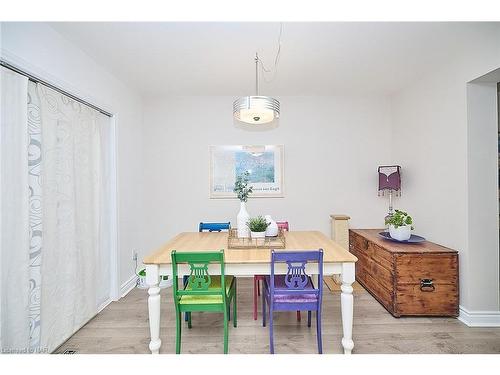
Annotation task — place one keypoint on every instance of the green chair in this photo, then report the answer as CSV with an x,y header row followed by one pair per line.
x,y
203,292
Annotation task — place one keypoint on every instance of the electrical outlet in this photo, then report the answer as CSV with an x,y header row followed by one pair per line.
x,y
134,255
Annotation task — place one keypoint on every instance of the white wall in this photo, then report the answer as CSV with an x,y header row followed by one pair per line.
x,y
333,146
39,49
430,141
482,181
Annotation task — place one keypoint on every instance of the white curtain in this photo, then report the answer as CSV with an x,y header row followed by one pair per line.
x,y
55,258
14,208
104,255
72,199
35,156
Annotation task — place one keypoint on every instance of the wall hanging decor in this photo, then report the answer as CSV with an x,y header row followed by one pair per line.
x,y
264,164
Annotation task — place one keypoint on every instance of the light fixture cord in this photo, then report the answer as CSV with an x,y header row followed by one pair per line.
x,y
256,74
276,59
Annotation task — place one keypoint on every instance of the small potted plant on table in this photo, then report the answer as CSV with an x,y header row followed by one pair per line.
x,y
258,226
400,225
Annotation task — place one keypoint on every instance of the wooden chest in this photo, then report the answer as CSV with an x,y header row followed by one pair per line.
x,y
407,279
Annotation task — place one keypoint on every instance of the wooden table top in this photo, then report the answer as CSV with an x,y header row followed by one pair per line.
x,y
295,240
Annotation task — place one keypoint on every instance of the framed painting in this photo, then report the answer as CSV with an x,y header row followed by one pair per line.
x,y
264,164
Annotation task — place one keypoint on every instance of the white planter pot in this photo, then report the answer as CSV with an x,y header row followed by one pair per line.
x,y
241,221
165,282
272,229
402,233
258,234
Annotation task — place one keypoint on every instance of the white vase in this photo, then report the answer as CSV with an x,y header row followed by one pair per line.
x,y
272,228
241,221
401,233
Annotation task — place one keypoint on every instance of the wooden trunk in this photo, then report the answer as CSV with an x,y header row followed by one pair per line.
x,y
407,279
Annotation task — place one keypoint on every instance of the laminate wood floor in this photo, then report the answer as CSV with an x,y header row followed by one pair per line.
x,y
122,327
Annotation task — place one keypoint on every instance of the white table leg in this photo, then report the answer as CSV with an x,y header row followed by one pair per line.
x,y
153,279
347,304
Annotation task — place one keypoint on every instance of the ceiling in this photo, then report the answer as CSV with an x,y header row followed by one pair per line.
x,y
174,58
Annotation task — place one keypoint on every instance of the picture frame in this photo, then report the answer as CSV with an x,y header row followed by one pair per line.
x,y
264,162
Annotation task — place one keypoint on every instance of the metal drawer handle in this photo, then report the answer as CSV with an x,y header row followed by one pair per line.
x,y
427,285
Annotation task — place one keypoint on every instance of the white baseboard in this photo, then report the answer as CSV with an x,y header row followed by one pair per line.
x,y
128,285
104,305
479,318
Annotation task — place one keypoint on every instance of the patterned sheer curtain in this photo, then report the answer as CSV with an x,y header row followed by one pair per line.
x,y
14,211
65,270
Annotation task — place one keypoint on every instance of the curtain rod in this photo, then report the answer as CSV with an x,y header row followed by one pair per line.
x,y
45,83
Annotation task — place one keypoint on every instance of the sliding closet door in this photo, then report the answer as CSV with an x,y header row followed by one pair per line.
x,y
73,283
55,215
105,255
14,218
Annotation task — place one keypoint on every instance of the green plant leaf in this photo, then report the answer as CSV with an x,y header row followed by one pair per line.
x,y
241,187
258,224
399,219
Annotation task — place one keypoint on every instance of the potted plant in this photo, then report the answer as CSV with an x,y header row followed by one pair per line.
x,y
141,281
258,226
400,225
243,191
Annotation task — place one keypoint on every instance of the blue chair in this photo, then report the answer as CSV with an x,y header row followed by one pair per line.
x,y
214,227
206,227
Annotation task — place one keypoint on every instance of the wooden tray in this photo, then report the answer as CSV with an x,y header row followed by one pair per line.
x,y
233,242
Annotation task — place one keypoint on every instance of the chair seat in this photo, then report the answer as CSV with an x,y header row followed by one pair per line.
x,y
279,283
208,299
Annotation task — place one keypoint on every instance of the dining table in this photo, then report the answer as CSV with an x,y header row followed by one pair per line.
x,y
248,262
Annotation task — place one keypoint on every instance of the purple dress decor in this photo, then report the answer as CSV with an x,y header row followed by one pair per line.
x,y
294,291
389,179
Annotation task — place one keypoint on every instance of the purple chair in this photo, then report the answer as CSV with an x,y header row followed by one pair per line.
x,y
294,291
258,278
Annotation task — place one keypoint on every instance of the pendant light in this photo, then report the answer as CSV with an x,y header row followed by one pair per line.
x,y
257,109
